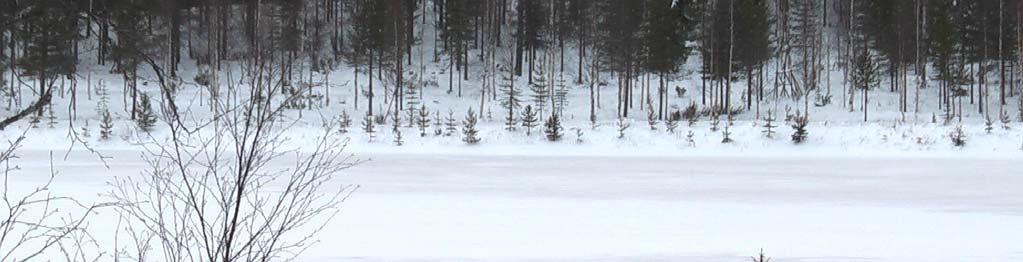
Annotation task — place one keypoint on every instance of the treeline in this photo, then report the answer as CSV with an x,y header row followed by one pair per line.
x,y
750,50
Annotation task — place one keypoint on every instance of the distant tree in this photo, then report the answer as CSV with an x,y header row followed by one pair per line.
x,y
769,125
345,122
146,117
799,126
509,97
552,128
423,121
369,126
664,35
958,137
865,76
451,124
623,125
672,123
106,125
529,119
470,135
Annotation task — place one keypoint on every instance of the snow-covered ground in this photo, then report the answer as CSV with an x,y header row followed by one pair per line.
x,y
486,207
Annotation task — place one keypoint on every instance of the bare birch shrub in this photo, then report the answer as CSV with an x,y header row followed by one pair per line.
x,y
218,189
38,224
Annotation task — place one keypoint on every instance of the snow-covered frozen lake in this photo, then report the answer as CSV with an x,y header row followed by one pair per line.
x,y
421,207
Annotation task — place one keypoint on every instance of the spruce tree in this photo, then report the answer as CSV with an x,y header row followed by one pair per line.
x,y
769,124
106,125
672,123
799,126
369,126
451,126
146,117
438,125
865,77
345,122
470,135
540,87
623,125
509,97
958,137
396,129
423,121
552,128
529,119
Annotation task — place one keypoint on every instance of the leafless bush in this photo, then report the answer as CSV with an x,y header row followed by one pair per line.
x,y
213,191
36,223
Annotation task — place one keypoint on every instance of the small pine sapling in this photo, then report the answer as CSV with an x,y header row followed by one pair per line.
x,y
691,114
51,119
470,135
761,257
769,124
395,123
578,135
411,112
529,119
510,122
106,125
727,134
623,124
397,137
714,122
145,117
86,132
672,123
438,128
423,121
1006,121
799,134
988,124
451,126
369,126
552,128
651,120
345,122
690,138
958,136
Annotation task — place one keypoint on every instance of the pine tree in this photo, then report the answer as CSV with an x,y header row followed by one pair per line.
x,y
345,123
691,114
623,125
690,138
146,118
438,125
451,124
553,129
529,119
651,119
989,125
958,136
396,129
106,125
470,135
769,124
423,121
865,77
727,134
672,123
540,87
369,127
799,125
509,97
